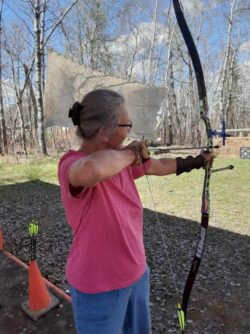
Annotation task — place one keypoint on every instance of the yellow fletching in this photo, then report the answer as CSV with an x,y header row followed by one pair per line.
x,y
33,228
181,317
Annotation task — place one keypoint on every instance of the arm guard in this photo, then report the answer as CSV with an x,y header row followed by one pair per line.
x,y
189,163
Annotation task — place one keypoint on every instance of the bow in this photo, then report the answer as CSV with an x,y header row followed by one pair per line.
x,y
205,205
182,308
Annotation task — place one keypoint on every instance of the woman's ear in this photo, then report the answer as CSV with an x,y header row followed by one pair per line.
x,y
102,134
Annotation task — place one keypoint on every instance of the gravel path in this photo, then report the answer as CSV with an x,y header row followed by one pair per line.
x,y
220,296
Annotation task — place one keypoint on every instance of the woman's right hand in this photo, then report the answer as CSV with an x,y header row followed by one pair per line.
x,y
140,151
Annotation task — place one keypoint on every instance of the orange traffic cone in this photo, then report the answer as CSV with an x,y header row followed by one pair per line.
x,y
39,297
1,239
40,300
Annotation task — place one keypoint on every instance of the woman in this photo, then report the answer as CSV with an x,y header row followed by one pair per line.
x,y
106,266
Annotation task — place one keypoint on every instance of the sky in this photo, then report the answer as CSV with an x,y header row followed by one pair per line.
x,y
211,14
214,22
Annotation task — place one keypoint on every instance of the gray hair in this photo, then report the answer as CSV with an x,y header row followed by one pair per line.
x,y
99,109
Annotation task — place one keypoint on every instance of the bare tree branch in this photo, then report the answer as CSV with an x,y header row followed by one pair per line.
x,y
58,22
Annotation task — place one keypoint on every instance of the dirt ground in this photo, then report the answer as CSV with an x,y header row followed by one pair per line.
x,y
220,298
14,291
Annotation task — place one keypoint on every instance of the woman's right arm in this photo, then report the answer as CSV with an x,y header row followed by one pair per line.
x,y
98,166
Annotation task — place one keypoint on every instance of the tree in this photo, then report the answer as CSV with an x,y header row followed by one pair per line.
x,y
3,132
38,81
39,9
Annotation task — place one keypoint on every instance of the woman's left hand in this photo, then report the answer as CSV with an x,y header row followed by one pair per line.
x,y
208,156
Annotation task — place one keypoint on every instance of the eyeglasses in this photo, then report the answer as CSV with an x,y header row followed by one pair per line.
x,y
129,125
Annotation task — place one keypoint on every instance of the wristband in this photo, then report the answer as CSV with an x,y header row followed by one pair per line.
x,y
189,163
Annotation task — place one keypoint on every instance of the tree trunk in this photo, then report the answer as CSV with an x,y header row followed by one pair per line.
x,y
131,66
38,80
19,103
223,96
192,111
32,96
173,107
171,103
43,10
22,127
3,132
152,45
230,115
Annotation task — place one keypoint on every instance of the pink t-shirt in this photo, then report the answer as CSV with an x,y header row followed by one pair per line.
x,y
107,251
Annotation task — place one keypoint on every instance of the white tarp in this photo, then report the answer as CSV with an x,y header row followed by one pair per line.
x,y
68,81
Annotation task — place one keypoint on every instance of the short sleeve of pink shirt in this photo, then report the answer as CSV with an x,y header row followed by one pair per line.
x,y
107,251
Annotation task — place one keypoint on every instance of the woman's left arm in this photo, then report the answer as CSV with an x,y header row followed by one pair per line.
x,y
163,166
166,166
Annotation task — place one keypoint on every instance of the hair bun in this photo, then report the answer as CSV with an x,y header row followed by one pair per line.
x,y
74,113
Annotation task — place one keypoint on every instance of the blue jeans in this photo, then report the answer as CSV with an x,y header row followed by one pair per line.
x,y
123,311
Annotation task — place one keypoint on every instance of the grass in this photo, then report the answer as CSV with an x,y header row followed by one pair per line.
x,y
181,196
28,170
178,196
